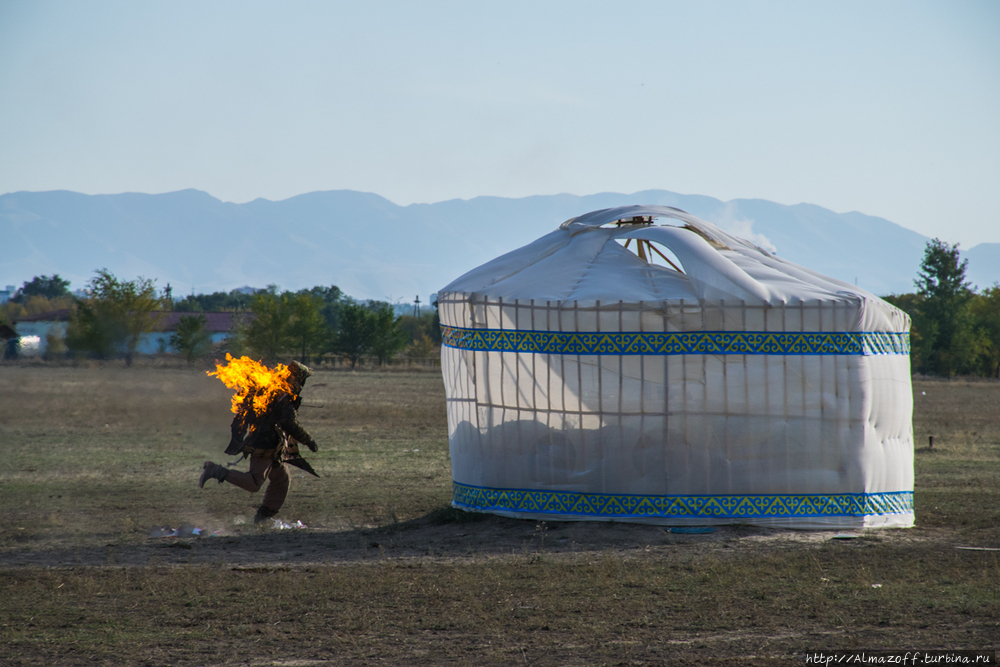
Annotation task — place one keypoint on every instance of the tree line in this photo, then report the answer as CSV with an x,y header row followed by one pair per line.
x,y
955,329
110,320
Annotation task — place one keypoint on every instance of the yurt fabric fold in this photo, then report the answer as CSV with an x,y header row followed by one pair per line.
x,y
640,364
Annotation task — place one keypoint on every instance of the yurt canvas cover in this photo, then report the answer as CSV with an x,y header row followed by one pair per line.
x,y
588,379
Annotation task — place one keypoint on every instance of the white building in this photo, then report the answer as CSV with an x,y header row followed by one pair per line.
x,y
617,369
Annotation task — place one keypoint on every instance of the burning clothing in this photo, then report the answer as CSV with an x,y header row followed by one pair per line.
x,y
263,433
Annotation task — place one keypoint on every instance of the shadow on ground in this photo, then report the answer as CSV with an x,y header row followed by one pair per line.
x,y
444,535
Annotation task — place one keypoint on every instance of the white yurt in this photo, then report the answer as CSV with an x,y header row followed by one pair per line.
x,y
639,364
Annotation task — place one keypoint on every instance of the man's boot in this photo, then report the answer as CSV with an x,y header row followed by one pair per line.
x,y
212,471
263,514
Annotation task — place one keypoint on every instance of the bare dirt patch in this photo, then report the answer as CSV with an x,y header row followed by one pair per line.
x,y
433,539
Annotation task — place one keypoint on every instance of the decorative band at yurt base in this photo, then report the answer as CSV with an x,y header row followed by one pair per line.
x,y
864,343
628,506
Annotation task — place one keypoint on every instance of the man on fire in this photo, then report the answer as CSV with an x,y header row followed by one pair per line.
x,y
265,429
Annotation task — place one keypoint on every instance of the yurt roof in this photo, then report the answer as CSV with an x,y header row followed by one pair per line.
x,y
585,260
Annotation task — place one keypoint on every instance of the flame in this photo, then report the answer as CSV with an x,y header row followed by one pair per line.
x,y
253,379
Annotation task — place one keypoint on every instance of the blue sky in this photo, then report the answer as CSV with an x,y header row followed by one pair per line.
x,y
889,108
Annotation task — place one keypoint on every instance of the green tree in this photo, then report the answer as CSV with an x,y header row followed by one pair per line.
x,y
42,294
332,299
114,316
267,333
192,339
422,348
236,337
306,328
216,301
291,321
427,324
357,326
985,310
50,287
943,316
387,338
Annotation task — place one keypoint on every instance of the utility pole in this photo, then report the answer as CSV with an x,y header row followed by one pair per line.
x,y
416,306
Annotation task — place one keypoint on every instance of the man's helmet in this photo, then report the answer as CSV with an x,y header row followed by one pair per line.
x,y
299,372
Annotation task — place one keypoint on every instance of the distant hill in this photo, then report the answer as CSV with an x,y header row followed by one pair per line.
x,y
372,248
984,264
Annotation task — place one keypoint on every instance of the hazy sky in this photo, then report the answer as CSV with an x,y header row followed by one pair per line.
x,y
889,108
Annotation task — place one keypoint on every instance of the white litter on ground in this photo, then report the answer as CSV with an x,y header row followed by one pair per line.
x,y
186,530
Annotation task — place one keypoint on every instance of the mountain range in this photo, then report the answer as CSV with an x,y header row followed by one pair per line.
x,y
374,249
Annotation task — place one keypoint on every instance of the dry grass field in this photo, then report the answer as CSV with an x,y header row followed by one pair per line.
x,y
94,458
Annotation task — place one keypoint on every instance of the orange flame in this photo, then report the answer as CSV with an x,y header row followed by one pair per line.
x,y
252,378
